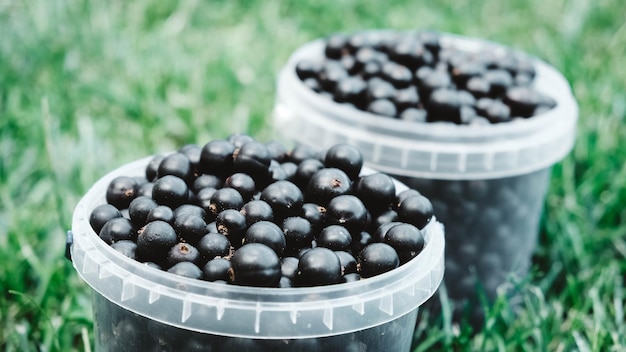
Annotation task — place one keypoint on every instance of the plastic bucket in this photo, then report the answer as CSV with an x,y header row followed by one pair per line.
x,y
138,308
487,183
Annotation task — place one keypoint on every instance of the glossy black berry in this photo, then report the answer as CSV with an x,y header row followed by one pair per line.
x,y
348,262
255,264
326,184
121,191
416,210
398,75
344,157
479,87
276,172
204,181
351,90
232,224
406,98
318,267
239,139
192,152
277,150
379,234
176,164
361,241
190,228
332,73
154,241
191,209
161,212
412,54
127,247
305,170
267,233
289,267
377,191
314,214
348,211
414,115
117,229
186,269
352,277
216,269
225,198
444,105
139,209
243,183
386,216
213,245
301,152
252,158
298,233
377,258
494,110
522,101
382,107
308,69
101,214
183,252
406,239
336,44
202,198
152,167
334,237
257,210
171,191
145,189
379,89
216,158
499,81
284,197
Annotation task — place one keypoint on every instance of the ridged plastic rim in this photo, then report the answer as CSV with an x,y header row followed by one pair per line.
x,y
101,267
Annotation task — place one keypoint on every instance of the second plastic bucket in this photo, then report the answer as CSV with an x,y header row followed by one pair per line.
x,y
139,308
487,183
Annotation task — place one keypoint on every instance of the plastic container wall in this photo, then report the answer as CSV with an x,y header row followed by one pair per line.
x,y
138,308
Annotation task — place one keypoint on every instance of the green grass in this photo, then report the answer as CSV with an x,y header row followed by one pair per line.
x,y
86,86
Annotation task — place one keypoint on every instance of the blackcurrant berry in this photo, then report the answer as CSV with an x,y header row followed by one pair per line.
x,y
139,209
171,191
117,229
415,210
101,214
326,184
284,197
348,211
344,157
267,233
216,158
186,269
154,241
334,237
183,252
121,191
376,259
176,164
255,264
216,269
213,245
317,267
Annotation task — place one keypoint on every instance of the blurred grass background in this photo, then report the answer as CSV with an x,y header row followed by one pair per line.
x,y
86,86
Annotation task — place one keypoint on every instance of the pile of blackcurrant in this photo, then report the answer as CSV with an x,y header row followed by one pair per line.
x,y
413,76
238,211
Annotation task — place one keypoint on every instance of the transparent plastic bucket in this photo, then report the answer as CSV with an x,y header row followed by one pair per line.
x,y
139,308
487,182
